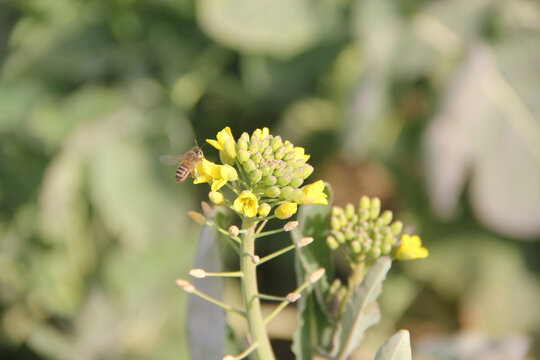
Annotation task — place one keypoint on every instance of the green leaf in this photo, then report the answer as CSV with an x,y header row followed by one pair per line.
x,y
362,311
398,347
206,321
281,28
315,325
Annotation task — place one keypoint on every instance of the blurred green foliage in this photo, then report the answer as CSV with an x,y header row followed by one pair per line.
x,y
430,105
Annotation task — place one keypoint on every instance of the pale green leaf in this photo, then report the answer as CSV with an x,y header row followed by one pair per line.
x,y
398,347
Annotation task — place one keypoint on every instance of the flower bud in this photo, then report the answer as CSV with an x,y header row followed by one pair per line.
x,y
297,196
254,145
308,170
305,241
292,297
290,225
286,210
375,252
206,208
296,182
284,180
289,156
245,137
288,146
229,172
269,180
286,192
375,209
335,224
363,214
225,159
265,170
386,217
356,247
349,211
234,230
332,242
242,144
243,156
263,145
364,203
276,143
256,157
197,273
216,197
279,153
396,227
255,176
264,209
250,166
186,285
273,192
336,210
230,148
386,249
316,275
197,217
339,237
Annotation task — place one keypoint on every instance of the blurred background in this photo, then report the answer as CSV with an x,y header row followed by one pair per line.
x,y
434,106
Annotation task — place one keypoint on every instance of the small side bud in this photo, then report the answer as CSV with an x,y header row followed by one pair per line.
x,y
234,230
292,297
273,192
264,209
396,228
305,241
216,197
197,217
375,209
316,275
206,208
186,285
255,259
197,273
332,242
290,225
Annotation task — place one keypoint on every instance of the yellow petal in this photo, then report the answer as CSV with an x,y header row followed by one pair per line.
x,y
286,210
215,144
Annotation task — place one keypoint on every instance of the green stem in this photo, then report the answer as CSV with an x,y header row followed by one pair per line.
x,y
250,291
276,254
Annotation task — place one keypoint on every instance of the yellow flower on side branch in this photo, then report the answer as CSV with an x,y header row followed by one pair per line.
x,y
314,194
207,171
411,248
246,203
225,143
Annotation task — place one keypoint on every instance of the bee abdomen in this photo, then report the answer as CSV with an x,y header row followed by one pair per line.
x,y
182,172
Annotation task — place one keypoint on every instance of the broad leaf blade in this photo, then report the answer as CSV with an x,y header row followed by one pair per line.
x,y
206,321
314,321
361,311
398,347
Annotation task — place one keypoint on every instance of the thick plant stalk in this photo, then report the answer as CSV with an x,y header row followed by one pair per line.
x,y
250,291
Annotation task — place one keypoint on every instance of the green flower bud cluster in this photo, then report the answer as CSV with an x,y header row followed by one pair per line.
x,y
365,234
273,166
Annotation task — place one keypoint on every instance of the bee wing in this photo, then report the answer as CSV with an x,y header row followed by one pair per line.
x,y
170,159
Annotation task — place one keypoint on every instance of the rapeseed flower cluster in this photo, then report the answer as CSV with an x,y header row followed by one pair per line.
x,y
368,234
263,171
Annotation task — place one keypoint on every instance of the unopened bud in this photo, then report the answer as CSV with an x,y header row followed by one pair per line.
x,y
245,137
186,285
386,217
243,155
316,275
292,297
356,247
197,217
332,242
290,225
375,209
396,227
206,208
250,166
225,158
264,209
284,180
273,192
234,230
339,237
305,241
286,192
255,176
289,156
255,259
216,197
364,203
242,144
256,157
197,273
230,148
254,145
308,170
375,252
279,153
349,211
296,182
276,143
386,249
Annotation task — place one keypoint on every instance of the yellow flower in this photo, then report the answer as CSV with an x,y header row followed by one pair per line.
x,y
411,248
286,210
246,203
301,153
314,194
264,209
207,171
225,142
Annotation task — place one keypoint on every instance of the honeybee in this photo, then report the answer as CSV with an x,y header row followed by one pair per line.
x,y
186,163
